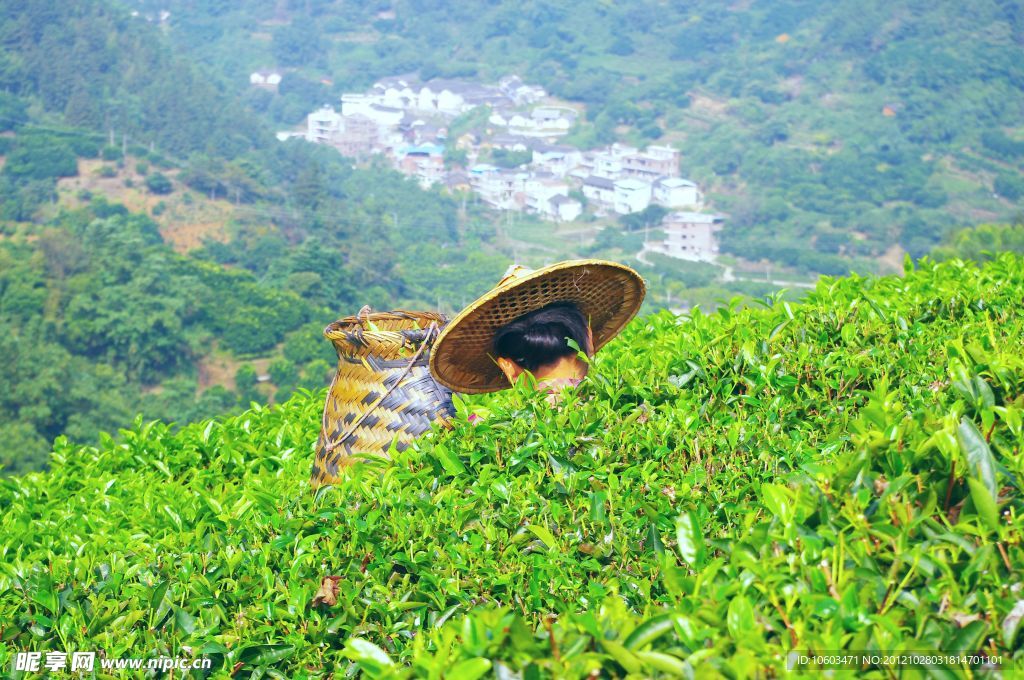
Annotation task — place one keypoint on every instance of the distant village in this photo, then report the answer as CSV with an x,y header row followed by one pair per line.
x,y
408,122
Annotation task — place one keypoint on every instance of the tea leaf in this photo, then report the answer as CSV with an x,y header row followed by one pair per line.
x,y
690,540
980,463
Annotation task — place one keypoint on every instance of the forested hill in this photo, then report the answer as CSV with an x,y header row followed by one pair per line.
x,y
102,70
93,81
849,125
103,318
842,474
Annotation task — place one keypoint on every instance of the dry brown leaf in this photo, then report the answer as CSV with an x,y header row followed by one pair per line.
x,y
962,620
328,593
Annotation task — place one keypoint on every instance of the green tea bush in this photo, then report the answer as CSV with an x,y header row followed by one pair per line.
x,y
839,474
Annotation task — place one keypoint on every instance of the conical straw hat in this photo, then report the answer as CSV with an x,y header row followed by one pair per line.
x,y
609,295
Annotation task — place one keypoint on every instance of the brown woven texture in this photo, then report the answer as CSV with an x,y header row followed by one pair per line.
x,y
383,390
609,295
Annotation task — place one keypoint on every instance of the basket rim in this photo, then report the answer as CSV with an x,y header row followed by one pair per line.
x,y
342,328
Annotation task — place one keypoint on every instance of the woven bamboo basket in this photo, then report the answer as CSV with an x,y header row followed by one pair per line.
x,y
382,392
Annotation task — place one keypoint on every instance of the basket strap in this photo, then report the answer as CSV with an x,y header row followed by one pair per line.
x,y
329,445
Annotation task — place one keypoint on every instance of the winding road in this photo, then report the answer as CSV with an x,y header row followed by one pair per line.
x,y
728,275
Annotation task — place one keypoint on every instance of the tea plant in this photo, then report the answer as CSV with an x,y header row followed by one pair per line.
x,y
840,474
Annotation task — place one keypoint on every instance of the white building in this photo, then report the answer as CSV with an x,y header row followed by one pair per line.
x,y
600,190
510,142
558,159
451,103
498,188
323,126
265,79
675,192
357,103
543,121
691,236
500,118
607,166
631,195
519,92
440,96
620,160
394,92
609,161
655,161
387,116
553,120
549,197
565,209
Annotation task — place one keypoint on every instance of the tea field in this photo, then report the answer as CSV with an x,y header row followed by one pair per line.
x,y
838,474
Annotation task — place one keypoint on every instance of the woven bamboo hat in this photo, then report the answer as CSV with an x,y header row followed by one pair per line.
x,y
609,295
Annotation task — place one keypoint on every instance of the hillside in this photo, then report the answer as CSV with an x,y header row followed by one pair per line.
x,y
162,253
187,218
837,474
101,320
829,132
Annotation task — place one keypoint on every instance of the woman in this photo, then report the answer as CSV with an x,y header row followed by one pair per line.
x,y
525,323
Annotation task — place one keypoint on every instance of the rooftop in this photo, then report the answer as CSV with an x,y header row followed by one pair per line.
x,y
631,184
553,148
673,182
510,140
423,149
408,80
459,86
599,182
693,218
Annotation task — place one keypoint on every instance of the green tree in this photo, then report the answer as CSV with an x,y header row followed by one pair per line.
x,y
300,43
982,242
284,374
1009,186
158,183
246,380
13,112
650,216
41,158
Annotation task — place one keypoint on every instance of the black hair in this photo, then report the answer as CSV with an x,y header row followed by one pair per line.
x,y
539,338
